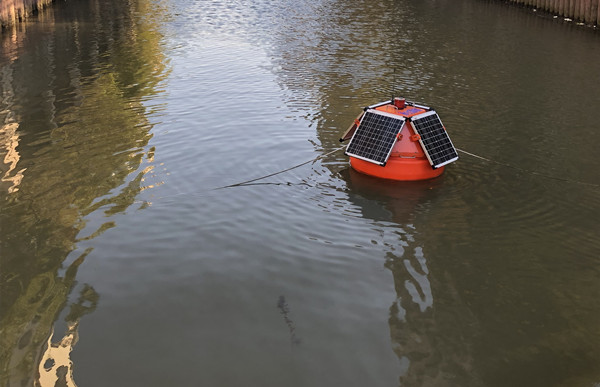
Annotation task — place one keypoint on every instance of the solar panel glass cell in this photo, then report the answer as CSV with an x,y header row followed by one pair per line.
x,y
434,139
375,136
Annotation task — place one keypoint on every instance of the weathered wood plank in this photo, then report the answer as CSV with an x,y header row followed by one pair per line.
x,y
594,12
586,11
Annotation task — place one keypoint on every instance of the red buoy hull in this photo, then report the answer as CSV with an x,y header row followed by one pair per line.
x,y
398,168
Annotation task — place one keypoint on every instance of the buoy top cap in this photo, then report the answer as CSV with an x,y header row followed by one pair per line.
x,y
407,111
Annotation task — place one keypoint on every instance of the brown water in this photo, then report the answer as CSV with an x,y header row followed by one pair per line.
x,y
122,266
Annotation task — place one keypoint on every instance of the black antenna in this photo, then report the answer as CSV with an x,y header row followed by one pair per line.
x,y
395,80
394,86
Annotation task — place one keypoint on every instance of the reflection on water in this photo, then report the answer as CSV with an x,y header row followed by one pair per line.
x,y
394,206
74,139
55,366
483,277
285,312
8,136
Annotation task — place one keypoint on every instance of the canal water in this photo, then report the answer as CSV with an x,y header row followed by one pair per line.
x,y
124,261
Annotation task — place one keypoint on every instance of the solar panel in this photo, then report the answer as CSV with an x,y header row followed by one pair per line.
x,y
375,136
434,139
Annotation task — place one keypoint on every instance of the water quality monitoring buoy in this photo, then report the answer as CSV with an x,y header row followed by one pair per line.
x,y
399,140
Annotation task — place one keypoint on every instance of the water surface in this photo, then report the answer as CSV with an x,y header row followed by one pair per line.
x,y
123,264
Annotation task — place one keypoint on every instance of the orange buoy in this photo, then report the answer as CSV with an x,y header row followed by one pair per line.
x,y
411,156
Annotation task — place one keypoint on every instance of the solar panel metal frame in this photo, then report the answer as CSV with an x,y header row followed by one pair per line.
x,y
424,140
379,104
358,132
420,106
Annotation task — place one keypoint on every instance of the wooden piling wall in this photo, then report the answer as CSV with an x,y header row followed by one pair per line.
x,y
12,11
581,11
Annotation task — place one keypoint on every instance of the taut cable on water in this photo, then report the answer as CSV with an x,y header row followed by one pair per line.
x,y
528,171
282,171
460,150
247,182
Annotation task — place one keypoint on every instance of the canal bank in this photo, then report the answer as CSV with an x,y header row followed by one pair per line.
x,y
585,12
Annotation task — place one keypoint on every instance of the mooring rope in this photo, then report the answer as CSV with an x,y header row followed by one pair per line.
x,y
529,171
247,182
460,150
314,159
280,172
